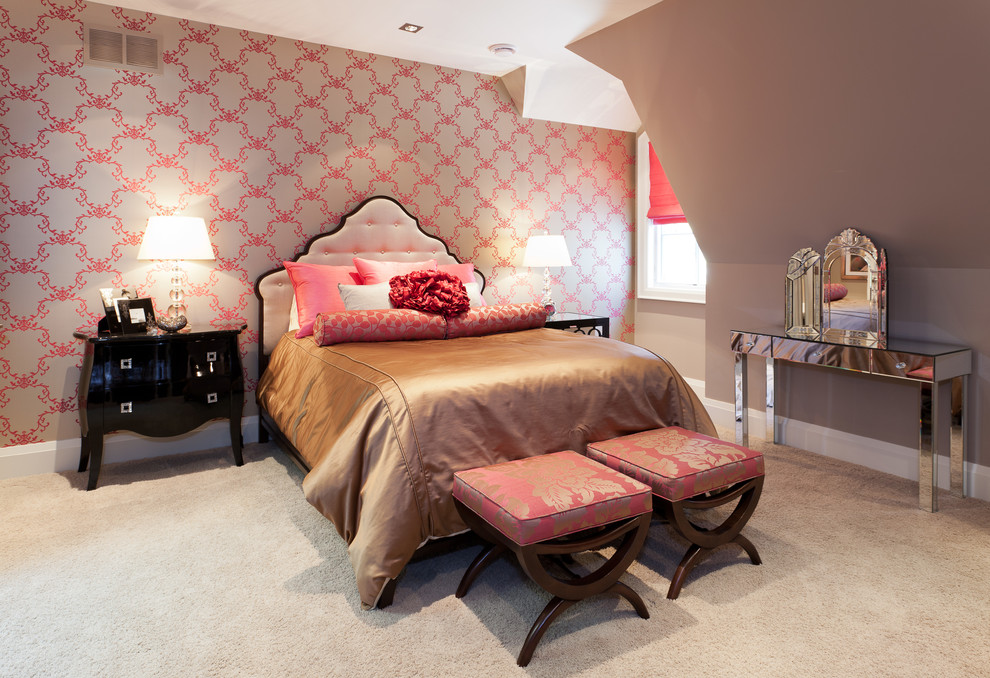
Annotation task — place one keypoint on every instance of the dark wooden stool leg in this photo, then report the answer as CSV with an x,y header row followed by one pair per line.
x,y
557,606
481,561
704,540
553,609
565,592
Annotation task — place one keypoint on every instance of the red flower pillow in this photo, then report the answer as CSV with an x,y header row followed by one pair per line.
x,y
431,292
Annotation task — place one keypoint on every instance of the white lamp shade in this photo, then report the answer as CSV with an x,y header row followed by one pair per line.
x,y
546,250
176,238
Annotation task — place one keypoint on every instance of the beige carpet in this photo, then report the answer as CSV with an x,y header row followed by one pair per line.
x,y
189,566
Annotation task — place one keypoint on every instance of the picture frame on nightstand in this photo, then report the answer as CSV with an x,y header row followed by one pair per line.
x,y
112,321
136,315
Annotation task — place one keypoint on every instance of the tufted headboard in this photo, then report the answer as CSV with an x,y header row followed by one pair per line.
x,y
379,228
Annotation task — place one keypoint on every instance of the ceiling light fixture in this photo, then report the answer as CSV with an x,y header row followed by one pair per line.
x,y
410,28
502,49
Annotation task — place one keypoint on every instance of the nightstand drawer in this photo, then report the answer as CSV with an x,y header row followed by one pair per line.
x,y
130,407
206,358
204,390
134,364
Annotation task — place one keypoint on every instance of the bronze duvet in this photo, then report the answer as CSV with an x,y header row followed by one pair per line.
x,y
384,426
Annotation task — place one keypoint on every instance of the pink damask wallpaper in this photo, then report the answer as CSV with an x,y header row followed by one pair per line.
x,y
271,141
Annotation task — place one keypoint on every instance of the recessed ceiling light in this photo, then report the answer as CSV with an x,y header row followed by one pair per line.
x,y
410,28
502,49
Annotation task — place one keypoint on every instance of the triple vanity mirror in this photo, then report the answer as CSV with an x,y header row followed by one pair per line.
x,y
840,297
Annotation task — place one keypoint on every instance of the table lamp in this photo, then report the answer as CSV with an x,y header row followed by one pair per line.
x,y
546,251
176,238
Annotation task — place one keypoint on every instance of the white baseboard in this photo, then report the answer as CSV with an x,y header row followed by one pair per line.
x,y
63,455
875,454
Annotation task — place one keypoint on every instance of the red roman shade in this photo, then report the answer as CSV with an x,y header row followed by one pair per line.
x,y
664,207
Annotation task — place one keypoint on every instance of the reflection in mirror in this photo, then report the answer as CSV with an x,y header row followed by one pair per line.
x,y
803,294
855,291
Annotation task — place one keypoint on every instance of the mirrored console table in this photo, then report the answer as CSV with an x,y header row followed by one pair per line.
x,y
931,366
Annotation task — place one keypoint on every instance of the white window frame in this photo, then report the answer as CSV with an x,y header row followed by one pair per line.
x,y
689,293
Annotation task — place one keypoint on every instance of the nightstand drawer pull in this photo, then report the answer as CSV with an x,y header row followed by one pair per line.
x,y
211,398
211,356
126,408
900,365
125,363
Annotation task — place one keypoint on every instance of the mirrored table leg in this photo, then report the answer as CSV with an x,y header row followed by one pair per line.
x,y
957,438
771,434
742,423
927,448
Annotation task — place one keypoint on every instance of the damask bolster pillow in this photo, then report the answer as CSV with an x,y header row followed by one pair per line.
x,y
376,325
493,319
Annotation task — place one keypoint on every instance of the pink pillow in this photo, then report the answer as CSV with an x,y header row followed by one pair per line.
x,y
372,272
835,291
481,320
381,325
463,272
315,288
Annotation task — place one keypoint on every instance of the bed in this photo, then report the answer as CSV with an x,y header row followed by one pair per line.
x,y
381,426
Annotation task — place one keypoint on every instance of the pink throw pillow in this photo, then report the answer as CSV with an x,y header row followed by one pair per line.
x,y
835,291
315,288
463,272
373,272
395,324
481,320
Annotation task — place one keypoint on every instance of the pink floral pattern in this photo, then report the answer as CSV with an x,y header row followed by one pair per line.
x,y
381,325
551,495
271,140
429,291
677,463
482,320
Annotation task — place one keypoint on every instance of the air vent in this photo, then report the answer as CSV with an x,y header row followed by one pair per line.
x,y
116,48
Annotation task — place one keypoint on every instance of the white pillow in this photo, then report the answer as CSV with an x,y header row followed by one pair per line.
x,y
293,315
365,297
375,297
474,294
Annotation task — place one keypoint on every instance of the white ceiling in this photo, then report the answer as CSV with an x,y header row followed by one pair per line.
x,y
560,86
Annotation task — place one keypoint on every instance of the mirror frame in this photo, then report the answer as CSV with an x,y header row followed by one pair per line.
x,y
852,243
803,295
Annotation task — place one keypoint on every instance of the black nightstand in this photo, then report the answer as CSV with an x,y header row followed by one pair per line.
x,y
579,322
158,385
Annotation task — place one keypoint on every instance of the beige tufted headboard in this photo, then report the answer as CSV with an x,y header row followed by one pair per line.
x,y
379,228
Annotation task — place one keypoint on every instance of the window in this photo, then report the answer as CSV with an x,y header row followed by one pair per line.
x,y
671,265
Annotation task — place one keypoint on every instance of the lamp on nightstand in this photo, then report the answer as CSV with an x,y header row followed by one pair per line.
x,y
176,238
546,251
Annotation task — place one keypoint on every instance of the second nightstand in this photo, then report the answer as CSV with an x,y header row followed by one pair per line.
x,y
158,385
579,322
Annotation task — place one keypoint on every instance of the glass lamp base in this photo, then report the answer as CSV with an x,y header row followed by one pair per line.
x,y
171,323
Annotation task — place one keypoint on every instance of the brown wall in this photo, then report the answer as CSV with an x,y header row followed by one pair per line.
x,y
781,123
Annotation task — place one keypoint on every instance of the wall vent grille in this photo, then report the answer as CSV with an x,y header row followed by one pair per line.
x,y
116,48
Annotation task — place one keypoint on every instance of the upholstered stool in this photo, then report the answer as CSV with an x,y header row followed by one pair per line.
x,y
688,470
555,504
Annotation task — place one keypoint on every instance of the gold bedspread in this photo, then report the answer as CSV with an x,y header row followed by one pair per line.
x,y
385,425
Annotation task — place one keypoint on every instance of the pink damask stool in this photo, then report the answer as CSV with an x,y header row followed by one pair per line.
x,y
688,470
555,504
